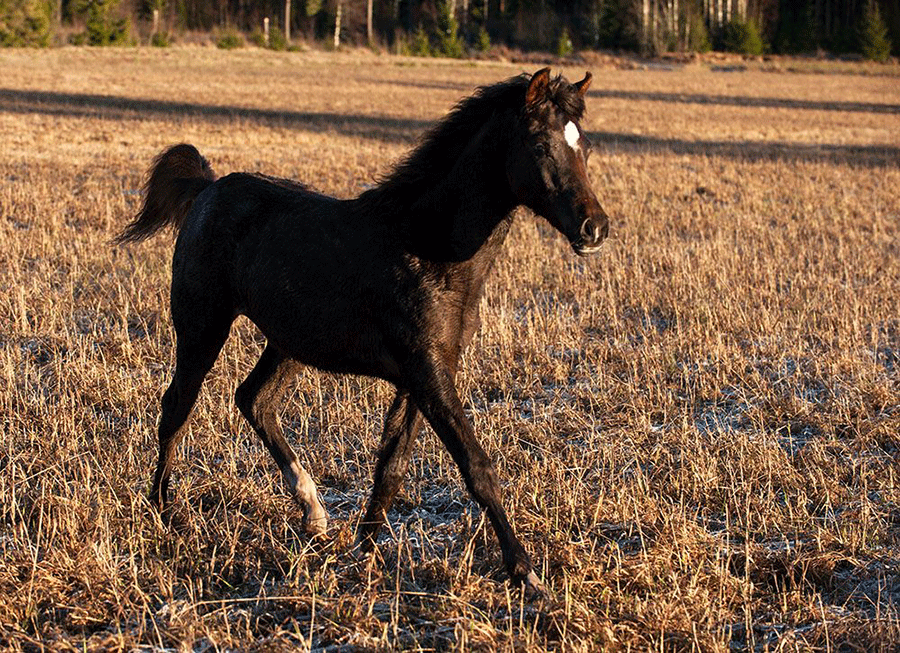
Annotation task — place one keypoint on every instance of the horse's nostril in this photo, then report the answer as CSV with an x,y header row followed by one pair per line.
x,y
590,232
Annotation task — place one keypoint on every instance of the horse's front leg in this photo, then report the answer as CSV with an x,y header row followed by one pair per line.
x,y
401,427
432,388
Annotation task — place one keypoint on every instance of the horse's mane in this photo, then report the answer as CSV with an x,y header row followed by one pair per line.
x,y
443,144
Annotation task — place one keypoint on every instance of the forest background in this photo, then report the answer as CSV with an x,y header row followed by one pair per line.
x,y
458,28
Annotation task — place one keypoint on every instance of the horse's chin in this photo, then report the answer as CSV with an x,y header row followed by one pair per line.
x,y
589,250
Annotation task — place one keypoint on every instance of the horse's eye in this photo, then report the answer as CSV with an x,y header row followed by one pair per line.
x,y
541,149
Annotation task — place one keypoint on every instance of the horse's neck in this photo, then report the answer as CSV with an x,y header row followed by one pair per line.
x,y
466,214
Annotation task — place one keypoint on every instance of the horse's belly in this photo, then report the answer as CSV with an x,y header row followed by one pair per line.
x,y
334,333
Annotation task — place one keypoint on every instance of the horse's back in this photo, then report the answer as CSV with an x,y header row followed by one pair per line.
x,y
243,217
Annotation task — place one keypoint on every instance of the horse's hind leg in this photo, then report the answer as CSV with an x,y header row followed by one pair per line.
x,y
196,351
257,397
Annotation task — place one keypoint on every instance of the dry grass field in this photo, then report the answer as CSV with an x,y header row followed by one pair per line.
x,y
696,430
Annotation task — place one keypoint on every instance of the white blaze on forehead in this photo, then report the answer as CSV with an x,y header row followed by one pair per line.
x,y
572,135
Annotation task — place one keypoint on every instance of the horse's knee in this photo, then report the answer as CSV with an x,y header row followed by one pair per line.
x,y
391,478
484,482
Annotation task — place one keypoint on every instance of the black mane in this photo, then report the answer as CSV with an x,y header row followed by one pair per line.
x,y
443,144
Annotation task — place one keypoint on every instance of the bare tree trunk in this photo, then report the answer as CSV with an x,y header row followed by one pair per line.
x,y
645,23
287,21
675,29
369,36
687,33
337,27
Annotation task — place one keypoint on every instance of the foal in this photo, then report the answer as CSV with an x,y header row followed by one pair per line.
x,y
385,285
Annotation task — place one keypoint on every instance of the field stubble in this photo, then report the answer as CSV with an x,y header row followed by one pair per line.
x,y
697,429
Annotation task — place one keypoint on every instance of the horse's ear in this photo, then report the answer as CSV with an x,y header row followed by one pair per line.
x,y
537,88
584,84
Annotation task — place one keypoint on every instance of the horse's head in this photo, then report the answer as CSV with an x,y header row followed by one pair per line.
x,y
547,163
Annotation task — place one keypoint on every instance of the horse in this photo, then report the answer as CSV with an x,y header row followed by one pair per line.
x,y
385,285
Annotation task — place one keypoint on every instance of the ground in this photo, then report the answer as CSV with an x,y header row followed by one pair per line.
x,y
696,430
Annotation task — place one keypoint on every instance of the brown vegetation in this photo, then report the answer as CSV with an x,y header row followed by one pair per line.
x,y
698,427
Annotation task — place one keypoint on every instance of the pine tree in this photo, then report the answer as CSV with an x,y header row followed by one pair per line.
x,y
25,23
449,42
742,37
616,25
697,34
873,34
102,27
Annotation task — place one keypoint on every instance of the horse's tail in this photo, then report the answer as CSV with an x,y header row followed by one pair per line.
x,y
177,177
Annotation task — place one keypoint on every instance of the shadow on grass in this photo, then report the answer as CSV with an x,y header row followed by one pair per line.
x,y
110,107
744,101
869,156
407,130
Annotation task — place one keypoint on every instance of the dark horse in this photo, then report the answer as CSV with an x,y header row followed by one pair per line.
x,y
385,285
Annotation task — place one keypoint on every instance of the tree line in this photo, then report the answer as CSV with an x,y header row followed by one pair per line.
x,y
455,27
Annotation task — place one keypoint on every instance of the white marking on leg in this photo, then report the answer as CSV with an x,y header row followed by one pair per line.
x,y
534,588
572,135
304,489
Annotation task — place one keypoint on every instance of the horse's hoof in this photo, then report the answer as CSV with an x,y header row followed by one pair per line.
x,y
533,588
357,554
316,527
160,510
315,520
361,557
315,517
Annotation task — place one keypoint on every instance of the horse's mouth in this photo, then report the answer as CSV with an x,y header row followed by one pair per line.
x,y
588,250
